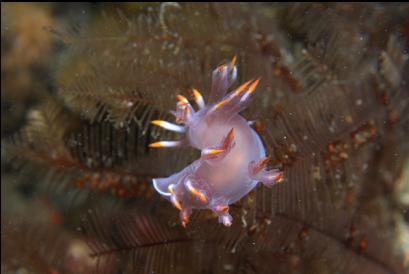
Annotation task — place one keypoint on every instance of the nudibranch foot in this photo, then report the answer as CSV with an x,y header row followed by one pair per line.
x,y
232,160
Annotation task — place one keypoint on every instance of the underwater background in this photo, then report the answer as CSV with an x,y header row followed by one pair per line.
x,y
80,84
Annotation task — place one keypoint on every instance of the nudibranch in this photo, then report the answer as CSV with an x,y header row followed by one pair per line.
x,y
233,159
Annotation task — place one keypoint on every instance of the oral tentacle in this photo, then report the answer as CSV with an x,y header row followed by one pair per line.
x,y
169,126
162,144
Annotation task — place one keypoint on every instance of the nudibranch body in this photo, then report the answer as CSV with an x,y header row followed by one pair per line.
x,y
232,158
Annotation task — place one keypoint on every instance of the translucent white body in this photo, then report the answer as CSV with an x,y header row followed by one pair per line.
x,y
233,158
